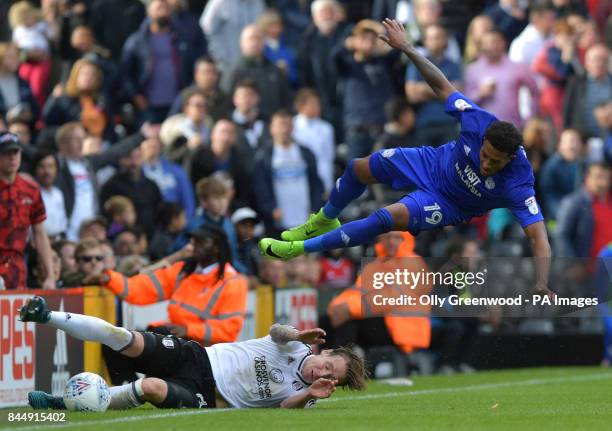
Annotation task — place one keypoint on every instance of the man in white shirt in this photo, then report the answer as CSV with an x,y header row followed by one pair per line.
x,y
77,172
531,40
286,184
278,370
316,134
45,171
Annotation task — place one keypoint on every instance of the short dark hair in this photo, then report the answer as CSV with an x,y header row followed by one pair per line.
x,y
597,165
188,93
167,211
395,108
540,6
41,155
282,113
204,59
304,95
247,83
504,136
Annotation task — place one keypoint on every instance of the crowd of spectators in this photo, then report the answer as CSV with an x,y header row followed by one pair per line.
x,y
141,121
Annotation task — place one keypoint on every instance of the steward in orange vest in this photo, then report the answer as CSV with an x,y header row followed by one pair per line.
x,y
409,327
207,295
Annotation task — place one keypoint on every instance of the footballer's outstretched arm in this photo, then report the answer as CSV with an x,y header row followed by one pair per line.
x,y
541,254
395,37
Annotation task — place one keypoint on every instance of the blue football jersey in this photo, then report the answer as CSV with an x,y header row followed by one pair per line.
x,y
458,169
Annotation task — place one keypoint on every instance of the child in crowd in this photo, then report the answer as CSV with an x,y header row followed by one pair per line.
x,y
244,221
171,221
122,214
31,34
214,197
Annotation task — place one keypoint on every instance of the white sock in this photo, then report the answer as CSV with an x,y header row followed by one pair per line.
x,y
89,328
126,396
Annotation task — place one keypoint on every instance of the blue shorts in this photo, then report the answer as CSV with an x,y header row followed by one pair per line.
x,y
406,168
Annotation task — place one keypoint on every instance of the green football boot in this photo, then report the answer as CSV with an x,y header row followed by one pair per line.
x,y
283,250
317,224
35,310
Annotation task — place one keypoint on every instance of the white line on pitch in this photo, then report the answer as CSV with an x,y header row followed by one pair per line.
x,y
484,386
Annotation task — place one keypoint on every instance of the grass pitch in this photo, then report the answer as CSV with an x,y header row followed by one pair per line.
x,y
531,399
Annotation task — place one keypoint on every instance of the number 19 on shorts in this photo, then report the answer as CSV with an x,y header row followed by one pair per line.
x,y
433,215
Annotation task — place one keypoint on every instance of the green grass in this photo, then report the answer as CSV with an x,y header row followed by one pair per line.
x,y
533,399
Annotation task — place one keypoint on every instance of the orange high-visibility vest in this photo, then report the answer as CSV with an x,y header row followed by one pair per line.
x,y
408,333
212,310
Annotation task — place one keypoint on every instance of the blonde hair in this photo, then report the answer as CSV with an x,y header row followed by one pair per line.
x,y
71,84
118,205
20,10
269,17
84,245
64,132
211,187
471,47
356,371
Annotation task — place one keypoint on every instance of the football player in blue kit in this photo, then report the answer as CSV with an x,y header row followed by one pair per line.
x,y
485,168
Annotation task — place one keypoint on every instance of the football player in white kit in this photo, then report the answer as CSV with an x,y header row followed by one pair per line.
x,y
278,370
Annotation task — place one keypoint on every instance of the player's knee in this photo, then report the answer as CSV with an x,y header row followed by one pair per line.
x,y
400,216
135,347
154,390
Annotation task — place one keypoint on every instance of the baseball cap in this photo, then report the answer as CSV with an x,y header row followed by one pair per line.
x,y
244,213
9,141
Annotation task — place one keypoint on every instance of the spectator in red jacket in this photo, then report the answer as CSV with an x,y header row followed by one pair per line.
x,y
21,207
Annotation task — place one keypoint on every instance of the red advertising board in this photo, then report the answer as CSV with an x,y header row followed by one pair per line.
x,y
17,352
36,356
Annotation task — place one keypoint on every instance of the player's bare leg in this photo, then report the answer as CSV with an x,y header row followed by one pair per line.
x,y
89,328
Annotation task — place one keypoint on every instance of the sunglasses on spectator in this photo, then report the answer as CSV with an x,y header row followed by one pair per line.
x,y
90,258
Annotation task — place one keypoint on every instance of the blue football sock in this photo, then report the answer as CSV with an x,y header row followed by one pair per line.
x,y
351,234
346,189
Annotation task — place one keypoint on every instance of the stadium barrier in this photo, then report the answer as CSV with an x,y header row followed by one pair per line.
x,y
41,357
265,305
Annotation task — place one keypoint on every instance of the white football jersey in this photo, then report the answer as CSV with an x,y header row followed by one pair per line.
x,y
259,372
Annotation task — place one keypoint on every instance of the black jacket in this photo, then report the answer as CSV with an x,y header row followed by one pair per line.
x,y
26,99
273,86
574,114
137,60
263,186
64,109
575,225
112,28
143,192
65,182
203,164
